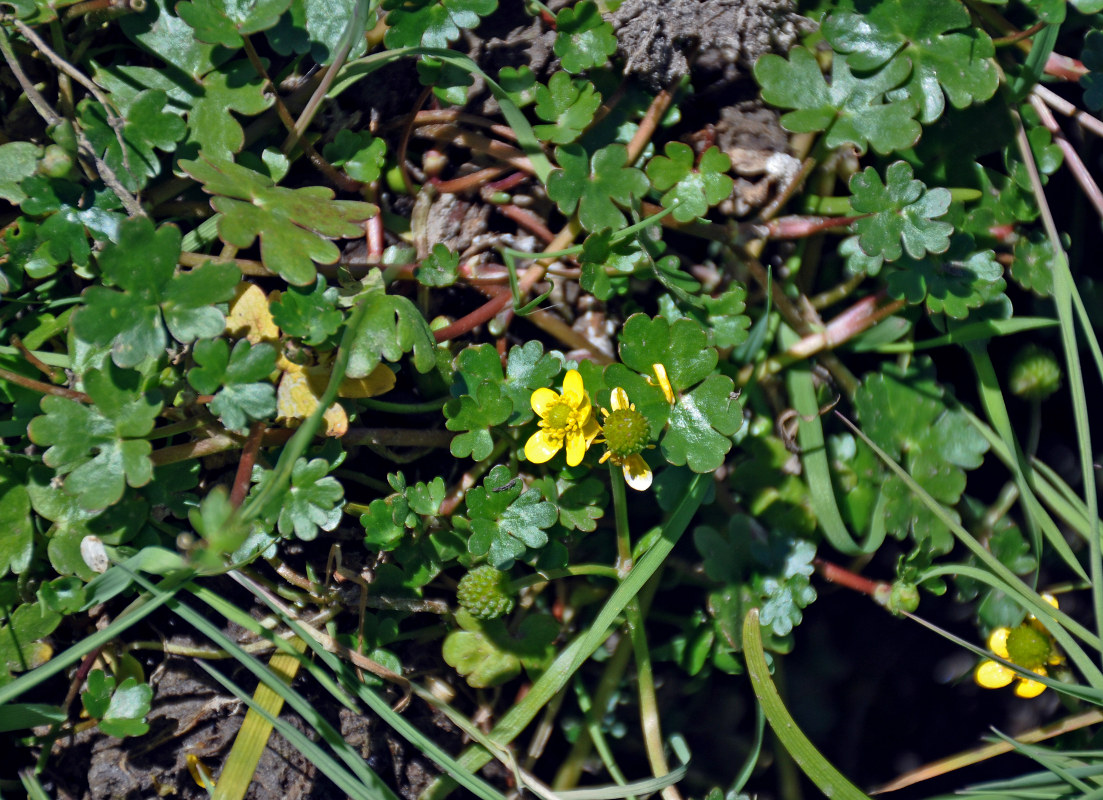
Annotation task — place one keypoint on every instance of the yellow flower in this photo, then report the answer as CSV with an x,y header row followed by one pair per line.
x,y
627,433
565,420
1029,646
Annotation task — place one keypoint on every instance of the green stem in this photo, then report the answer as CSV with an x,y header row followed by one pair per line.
x,y
567,572
597,736
649,706
571,769
620,511
174,428
578,651
404,408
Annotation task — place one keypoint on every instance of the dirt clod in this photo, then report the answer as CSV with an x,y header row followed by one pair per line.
x,y
659,40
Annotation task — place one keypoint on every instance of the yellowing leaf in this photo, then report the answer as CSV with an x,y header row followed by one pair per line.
x,y
379,381
297,397
249,315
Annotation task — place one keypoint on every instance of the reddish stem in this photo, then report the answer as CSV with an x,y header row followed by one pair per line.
x,y
374,231
802,227
527,220
245,465
404,142
833,573
508,182
473,180
483,314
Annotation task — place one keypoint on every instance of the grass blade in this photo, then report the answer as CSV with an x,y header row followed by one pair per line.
x,y
818,769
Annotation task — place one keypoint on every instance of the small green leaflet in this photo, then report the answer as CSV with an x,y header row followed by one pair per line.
x,y
506,523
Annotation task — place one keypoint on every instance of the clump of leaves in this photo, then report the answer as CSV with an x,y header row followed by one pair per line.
x,y
150,296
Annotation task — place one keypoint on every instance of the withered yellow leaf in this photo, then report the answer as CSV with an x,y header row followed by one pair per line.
x,y
379,381
298,394
249,315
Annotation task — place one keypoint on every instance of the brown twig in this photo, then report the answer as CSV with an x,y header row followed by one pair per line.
x,y
114,120
44,109
44,388
34,360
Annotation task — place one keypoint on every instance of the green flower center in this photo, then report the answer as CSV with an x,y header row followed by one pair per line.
x,y
627,432
1028,647
559,415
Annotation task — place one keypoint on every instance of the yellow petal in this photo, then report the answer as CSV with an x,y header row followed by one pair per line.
x,y
993,675
199,771
590,430
379,381
1028,688
573,386
997,642
1050,599
582,410
636,472
249,315
619,399
297,398
664,382
542,445
576,448
543,399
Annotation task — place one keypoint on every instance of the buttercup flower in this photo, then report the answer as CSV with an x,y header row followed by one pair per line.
x,y
565,420
627,433
1029,646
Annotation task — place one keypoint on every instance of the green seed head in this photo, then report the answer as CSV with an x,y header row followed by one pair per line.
x,y
485,592
558,415
627,432
1035,373
1028,647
